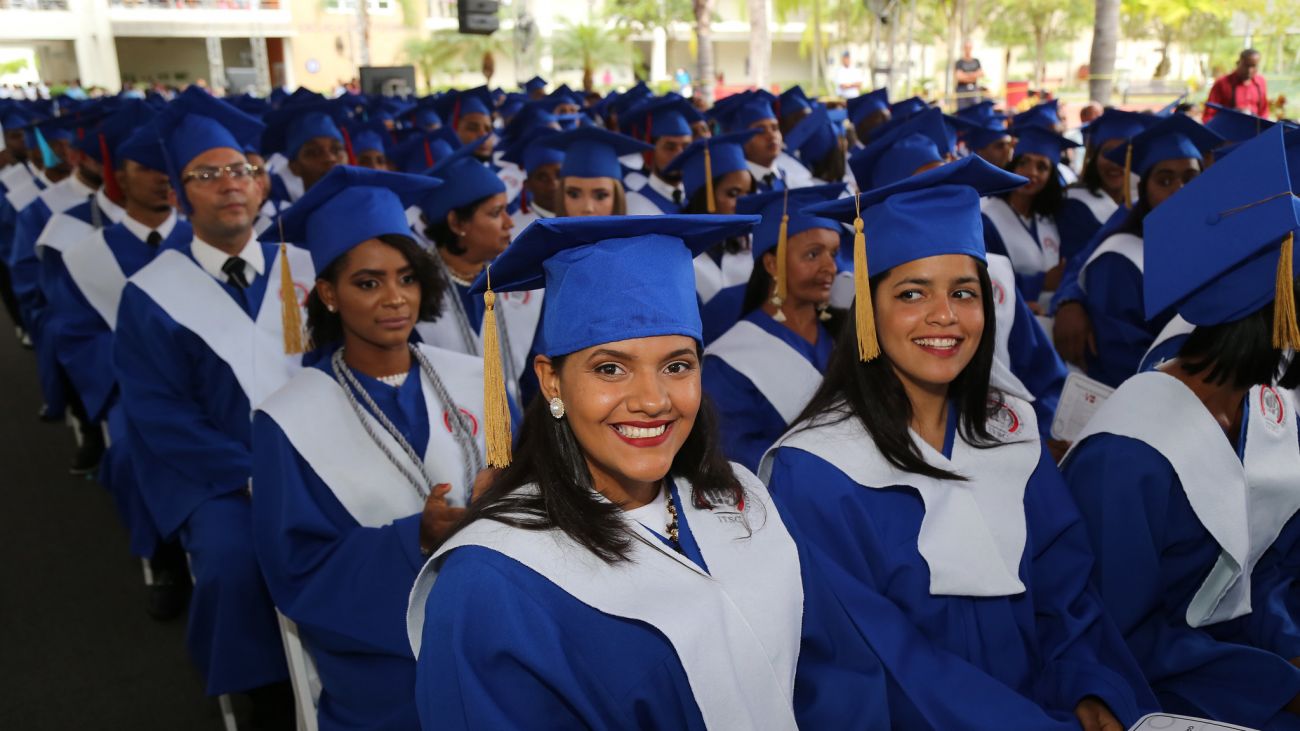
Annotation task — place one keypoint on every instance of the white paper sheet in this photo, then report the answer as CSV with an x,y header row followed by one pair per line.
x,y
1080,398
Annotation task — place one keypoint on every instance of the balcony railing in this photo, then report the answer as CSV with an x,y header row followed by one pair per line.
x,y
192,4
33,4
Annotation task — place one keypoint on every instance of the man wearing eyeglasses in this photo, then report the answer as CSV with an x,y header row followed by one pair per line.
x,y
200,341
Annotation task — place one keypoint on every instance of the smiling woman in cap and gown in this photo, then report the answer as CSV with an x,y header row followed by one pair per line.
x,y
1186,474
926,497
590,176
761,373
619,524
205,332
365,459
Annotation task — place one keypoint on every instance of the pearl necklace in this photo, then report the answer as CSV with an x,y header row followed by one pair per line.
x,y
396,380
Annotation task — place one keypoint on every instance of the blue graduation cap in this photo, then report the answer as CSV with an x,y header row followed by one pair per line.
x,y
1036,140
908,108
977,134
653,118
530,116
422,150
1116,124
1172,106
753,107
536,83
371,136
351,205
607,279
250,105
861,107
13,116
195,123
294,124
708,159
1172,138
559,97
901,150
511,106
454,105
628,99
783,216
144,147
934,213
591,152
530,152
471,181
793,100
817,134
425,116
1223,248
983,113
1234,126
1042,115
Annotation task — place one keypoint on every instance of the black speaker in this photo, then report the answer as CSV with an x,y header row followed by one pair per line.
x,y
478,16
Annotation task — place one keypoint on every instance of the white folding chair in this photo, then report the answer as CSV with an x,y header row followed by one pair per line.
x,y
302,673
227,708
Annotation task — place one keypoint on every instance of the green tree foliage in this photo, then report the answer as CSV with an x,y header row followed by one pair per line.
x,y
1192,23
446,53
1041,26
587,45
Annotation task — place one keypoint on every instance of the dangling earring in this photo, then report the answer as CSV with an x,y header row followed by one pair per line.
x,y
557,408
331,308
777,302
824,312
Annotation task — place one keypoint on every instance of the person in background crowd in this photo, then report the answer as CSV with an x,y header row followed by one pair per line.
x,y
848,80
1243,89
967,73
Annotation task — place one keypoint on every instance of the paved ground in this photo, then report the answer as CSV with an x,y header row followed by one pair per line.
x,y
77,650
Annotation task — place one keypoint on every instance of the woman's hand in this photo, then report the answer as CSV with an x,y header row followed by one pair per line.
x,y
1072,333
438,518
1094,715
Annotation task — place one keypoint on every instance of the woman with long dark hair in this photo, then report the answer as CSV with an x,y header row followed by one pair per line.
x,y
1166,157
927,497
364,460
1100,191
1021,224
620,573
1187,474
761,372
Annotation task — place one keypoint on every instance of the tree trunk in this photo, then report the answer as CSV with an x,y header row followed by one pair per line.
x,y
1040,58
489,67
704,81
363,20
950,46
819,59
588,77
760,45
1101,62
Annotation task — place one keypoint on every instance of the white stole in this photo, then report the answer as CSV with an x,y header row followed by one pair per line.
x,y
1028,256
518,313
315,415
711,278
973,533
736,630
20,196
98,275
1177,327
1128,246
254,351
785,378
15,175
1100,205
64,232
1242,506
65,194
1003,279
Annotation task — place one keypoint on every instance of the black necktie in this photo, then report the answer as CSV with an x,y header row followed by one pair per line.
x,y
234,269
153,239
769,180
677,196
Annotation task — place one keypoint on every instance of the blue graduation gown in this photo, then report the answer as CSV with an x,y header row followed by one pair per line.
x,y
1076,224
1115,305
1152,556
344,585
748,422
722,311
25,275
1009,662
1030,285
1036,363
540,658
1069,290
189,424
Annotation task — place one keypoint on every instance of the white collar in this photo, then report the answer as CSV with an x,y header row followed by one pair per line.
x,y
759,172
211,259
541,212
114,212
141,231
654,514
664,188
74,185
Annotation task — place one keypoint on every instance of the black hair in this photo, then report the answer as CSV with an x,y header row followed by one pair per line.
x,y
1090,178
325,327
440,233
1132,223
1240,354
832,166
759,289
872,393
1048,200
549,455
699,204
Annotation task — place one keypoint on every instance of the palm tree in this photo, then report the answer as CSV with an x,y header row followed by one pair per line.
x,y
1101,64
760,44
430,55
588,44
704,47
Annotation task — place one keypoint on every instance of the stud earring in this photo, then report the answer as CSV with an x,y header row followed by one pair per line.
x,y
557,408
331,308
823,312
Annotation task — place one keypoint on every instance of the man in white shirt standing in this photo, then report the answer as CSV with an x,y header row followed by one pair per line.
x,y
848,80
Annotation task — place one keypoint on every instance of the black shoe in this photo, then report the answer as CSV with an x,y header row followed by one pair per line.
x,y
91,450
169,594
48,416
273,708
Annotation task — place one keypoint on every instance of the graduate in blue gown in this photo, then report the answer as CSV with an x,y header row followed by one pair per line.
x,y
308,133
927,498
591,177
201,339
18,173
818,142
1022,225
722,272
761,372
339,530
1165,156
619,524
1186,475
1090,202
665,123
772,168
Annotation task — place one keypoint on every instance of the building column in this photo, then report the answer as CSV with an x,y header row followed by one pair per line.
x,y
94,46
659,56
261,64
216,64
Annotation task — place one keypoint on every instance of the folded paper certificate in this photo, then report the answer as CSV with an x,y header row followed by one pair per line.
x,y
1170,722
1080,398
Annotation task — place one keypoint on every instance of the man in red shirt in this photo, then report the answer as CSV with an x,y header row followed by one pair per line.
x,y
1243,90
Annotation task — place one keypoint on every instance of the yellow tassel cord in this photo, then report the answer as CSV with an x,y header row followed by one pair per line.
x,y
1128,175
1286,333
782,283
290,313
496,408
708,180
864,311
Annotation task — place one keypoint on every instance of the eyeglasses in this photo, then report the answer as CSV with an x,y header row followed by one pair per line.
x,y
208,176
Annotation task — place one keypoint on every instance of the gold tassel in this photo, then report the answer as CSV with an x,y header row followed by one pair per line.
x,y
495,406
863,309
1286,333
708,180
782,284
1128,175
290,313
